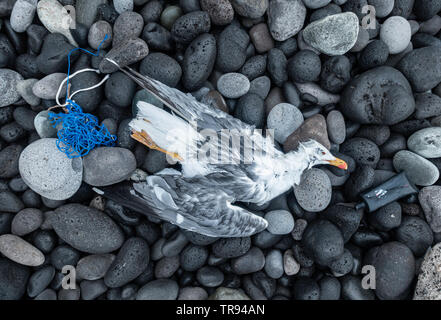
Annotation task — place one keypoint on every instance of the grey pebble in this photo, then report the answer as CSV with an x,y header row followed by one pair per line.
x,y
26,221
250,262
160,289
123,5
430,200
97,33
250,8
314,191
94,266
260,86
129,52
90,290
105,166
233,85
8,87
336,126
333,35
22,15
24,88
48,171
274,264
426,142
99,233
47,87
210,276
192,293
279,221
419,170
20,251
284,119
286,18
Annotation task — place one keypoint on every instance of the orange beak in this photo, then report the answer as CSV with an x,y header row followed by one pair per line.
x,y
339,163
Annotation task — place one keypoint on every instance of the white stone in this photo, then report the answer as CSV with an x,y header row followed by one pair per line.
x,y
396,33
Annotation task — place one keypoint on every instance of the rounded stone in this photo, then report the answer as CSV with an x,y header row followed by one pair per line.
x,y
160,289
13,279
430,200
26,221
22,14
20,251
360,103
416,234
161,67
420,171
231,247
336,126
333,35
123,5
304,66
394,264
314,191
105,166
284,119
285,18
279,221
250,8
129,24
251,110
99,233
8,87
233,85
261,38
47,87
335,74
382,7
97,33
396,33
362,150
189,26
323,241
94,266
48,171
426,142
250,262
221,11
131,260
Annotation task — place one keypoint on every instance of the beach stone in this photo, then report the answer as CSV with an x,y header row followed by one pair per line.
x,y
426,142
192,293
231,48
362,150
47,87
416,234
314,190
430,200
24,88
99,233
198,61
312,128
157,37
233,85
129,52
170,15
285,18
160,289
43,125
334,35
315,4
54,54
395,268
363,40
223,293
335,73
8,87
210,276
250,8
105,166
13,279
48,171
382,7
128,25
7,52
20,251
86,11
97,32
425,10
419,170
22,14
9,159
254,67
251,110
123,5
131,260
359,100
422,67
187,27
279,221
161,67
319,96
274,264
221,11
336,126
55,18
260,86
323,241
250,262
9,202
261,38
429,278
284,119
396,33
304,66
428,105
39,280
231,247
26,221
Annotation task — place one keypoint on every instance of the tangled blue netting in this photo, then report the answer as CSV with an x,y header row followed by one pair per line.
x,y
80,132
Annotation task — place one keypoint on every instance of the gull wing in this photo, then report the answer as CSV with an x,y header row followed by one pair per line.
x,y
187,203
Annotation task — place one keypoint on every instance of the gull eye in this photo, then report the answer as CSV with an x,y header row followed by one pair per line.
x,y
323,153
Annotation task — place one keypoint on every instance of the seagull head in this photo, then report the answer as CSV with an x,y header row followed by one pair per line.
x,y
318,154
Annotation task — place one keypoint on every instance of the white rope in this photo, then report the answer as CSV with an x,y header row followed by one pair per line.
x,y
81,90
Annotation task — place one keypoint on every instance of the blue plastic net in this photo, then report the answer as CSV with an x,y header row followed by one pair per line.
x,y
80,132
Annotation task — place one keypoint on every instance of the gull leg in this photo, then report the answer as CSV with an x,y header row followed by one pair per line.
x,y
145,139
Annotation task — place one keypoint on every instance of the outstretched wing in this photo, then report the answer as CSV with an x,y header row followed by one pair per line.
x,y
188,204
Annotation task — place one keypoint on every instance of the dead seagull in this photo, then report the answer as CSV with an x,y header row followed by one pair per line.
x,y
200,197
